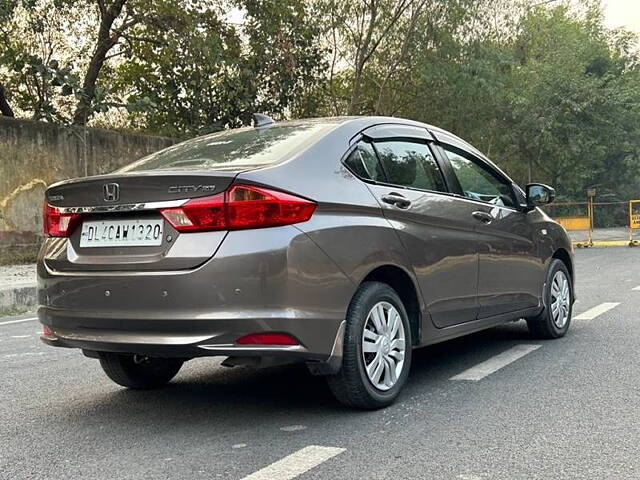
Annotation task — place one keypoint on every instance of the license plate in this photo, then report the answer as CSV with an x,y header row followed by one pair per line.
x,y
121,233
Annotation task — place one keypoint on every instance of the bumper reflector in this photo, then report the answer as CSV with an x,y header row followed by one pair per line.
x,y
47,333
267,339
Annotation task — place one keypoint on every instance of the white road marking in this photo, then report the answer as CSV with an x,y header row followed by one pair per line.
x,y
636,288
296,464
481,370
19,336
292,428
25,354
596,311
18,321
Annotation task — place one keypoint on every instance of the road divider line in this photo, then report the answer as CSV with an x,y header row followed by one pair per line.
x,y
596,311
486,368
636,288
18,321
296,464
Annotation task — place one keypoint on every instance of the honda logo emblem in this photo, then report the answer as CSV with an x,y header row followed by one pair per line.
x,y
111,192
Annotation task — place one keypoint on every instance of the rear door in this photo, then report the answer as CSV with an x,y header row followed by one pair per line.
x,y
510,272
436,229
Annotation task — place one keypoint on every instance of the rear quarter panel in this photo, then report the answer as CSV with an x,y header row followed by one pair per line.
x,y
348,224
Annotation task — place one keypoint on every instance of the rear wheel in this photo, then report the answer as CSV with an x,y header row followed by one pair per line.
x,y
139,372
555,319
377,349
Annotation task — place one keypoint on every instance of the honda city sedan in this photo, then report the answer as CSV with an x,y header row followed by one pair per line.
x,y
343,243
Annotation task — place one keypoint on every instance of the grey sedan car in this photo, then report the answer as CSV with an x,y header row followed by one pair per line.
x,y
343,243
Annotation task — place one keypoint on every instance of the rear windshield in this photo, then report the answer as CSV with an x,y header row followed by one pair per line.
x,y
239,148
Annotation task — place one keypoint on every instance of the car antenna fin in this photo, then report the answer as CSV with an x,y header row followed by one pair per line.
x,y
262,120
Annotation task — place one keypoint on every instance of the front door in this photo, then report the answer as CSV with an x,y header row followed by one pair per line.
x,y
510,272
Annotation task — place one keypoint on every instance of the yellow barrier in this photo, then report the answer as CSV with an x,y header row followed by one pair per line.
x,y
634,218
574,223
585,222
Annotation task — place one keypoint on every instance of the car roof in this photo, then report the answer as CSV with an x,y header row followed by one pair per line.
x,y
368,121
441,135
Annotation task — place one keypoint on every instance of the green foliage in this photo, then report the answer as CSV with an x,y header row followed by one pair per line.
x,y
556,98
577,93
284,59
545,90
182,65
36,81
203,74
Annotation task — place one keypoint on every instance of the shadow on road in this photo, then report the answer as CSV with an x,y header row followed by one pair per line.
x,y
225,398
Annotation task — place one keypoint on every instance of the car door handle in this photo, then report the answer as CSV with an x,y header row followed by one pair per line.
x,y
484,217
397,200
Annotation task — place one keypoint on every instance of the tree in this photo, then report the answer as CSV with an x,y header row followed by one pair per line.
x,y
107,37
189,73
44,44
30,74
572,118
5,108
382,44
356,31
6,11
544,89
203,74
285,61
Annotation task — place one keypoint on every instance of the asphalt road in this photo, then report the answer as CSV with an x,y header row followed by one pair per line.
x,y
565,409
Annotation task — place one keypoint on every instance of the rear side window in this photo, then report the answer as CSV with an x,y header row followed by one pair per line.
x,y
410,164
364,163
239,148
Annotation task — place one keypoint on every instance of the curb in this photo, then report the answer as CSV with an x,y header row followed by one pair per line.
x,y
18,297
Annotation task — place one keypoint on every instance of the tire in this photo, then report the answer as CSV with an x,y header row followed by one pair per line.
x,y
546,325
138,372
352,386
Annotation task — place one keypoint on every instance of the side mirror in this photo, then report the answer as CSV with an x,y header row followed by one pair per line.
x,y
539,194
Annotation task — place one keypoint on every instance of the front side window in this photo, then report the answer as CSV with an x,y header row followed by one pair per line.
x,y
410,164
477,182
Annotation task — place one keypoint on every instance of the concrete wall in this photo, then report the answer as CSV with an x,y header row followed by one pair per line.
x,y
36,154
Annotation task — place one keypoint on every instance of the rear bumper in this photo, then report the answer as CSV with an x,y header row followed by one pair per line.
x,y
268,280
319,339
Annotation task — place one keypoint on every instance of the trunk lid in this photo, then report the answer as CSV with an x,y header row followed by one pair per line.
x,y
134,198
139,187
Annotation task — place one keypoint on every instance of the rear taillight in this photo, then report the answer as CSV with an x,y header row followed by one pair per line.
x,y
198,215
58,224
240,207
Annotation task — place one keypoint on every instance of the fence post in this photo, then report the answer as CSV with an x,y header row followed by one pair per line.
x,y
630,224
591,192
590,211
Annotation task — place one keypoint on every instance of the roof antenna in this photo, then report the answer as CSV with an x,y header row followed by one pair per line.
x,y
262,120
